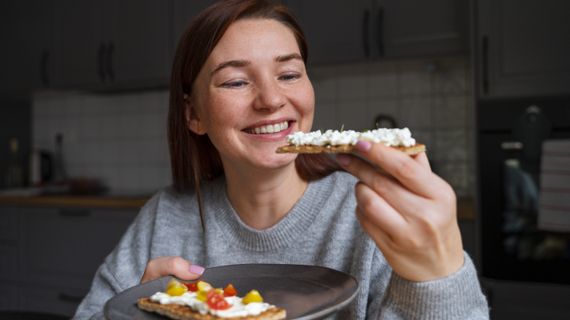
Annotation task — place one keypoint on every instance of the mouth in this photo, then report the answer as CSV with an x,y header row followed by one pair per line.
x,y
269,128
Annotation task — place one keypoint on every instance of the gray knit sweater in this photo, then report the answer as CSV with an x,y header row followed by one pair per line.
x,y
321,229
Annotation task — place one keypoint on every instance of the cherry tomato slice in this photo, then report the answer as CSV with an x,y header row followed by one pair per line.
x,y
230,291
216,301
193,286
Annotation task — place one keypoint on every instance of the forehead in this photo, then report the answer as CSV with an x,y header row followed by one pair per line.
x,y
254,39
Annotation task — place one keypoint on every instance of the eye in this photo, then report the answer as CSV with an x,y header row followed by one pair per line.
x,y
234,84
289,76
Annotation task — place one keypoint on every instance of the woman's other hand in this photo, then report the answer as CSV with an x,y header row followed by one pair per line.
x,y
407,210
175,266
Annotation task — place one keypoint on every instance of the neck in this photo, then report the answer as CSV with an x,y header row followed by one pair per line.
x,y
263,198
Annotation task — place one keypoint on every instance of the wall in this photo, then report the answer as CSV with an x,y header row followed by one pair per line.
x,y
433,97
118,138
121,138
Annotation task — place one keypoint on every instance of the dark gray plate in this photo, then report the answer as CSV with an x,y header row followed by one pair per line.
x,y
306,292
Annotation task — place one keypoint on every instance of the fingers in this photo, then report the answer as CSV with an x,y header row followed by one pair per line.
x,y
174,266
422,159
411,172
378,211
378,235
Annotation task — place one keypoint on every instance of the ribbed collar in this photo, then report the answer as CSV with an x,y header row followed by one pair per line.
x,y
292,227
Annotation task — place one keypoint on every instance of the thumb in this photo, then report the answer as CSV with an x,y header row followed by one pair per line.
x,y
171,266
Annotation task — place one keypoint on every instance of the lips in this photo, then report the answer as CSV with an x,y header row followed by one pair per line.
x,y
269,128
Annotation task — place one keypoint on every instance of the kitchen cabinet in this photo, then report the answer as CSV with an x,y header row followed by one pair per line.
x,y
183,12
10,262
343,31
49,260
416,27
9,245
336,30
522,48
111,44
26,58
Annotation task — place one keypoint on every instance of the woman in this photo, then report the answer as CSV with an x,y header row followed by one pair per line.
x,y
239,86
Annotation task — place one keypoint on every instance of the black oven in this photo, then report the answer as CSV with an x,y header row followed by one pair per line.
x,y
512,243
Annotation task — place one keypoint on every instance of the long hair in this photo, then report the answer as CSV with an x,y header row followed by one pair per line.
x,y
193,157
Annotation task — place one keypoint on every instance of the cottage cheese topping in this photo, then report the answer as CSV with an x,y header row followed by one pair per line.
x,y
389,137
237,309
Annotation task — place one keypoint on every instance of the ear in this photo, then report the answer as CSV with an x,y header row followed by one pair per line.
x,y
193,122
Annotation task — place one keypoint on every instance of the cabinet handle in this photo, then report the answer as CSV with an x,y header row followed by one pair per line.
x,y
70,298
365,33
74,213
44,68
100,62
381,31
512,145
485,64
109,61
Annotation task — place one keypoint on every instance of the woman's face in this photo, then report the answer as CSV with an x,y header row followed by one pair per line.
x,y
251,93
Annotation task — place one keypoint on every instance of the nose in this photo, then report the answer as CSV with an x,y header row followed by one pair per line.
x,y
269,96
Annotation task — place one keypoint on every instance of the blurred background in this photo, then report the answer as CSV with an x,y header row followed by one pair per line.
x,y
485,84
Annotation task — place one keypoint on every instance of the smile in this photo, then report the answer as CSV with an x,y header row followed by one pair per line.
x,y
270,128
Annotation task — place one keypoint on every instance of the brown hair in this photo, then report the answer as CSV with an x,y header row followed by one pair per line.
x,y
193,157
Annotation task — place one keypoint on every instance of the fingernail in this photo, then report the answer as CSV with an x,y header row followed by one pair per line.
x,y
343,159
363,145
196,269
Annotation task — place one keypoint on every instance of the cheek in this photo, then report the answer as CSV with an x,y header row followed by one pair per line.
x,y
224,111
307,103
305,98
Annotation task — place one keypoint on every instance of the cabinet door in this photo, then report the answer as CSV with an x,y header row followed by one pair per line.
x,y
183,12
64,247
26,58
336,30
11,297
9,245
9,259
58,300
78,44
414,28
136,35
523,48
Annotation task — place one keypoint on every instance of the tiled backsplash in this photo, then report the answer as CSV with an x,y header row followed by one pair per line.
x,y
432,97
118,138
121,138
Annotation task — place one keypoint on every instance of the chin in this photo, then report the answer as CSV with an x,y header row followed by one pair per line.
x,y
278,161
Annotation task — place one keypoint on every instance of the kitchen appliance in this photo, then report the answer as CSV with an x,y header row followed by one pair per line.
x,y
41,167
511,134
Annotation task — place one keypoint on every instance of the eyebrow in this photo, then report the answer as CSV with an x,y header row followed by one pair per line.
x,y
287,57
231,63
244,63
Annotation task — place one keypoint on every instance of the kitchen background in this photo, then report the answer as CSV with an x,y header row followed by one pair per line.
x,y
120,138
95,73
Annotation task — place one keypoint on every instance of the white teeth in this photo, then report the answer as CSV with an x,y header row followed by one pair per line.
x,y
271,128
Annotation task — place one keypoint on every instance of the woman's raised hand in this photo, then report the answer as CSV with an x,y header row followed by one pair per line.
x,y
407,210
174,266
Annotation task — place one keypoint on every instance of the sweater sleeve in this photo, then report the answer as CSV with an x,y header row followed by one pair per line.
x,y
123,267
457,296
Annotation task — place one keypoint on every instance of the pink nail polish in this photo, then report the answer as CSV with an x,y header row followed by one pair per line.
x,y
196,269
363,145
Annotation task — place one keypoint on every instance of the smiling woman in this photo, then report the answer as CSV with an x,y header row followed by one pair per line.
x,y
239,88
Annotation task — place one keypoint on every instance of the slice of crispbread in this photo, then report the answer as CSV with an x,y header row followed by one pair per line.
x,y
345,148
180,312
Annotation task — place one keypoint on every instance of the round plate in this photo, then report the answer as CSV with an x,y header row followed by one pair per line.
x,y
306,292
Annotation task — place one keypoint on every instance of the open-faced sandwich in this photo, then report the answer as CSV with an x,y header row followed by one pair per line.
x,y
200,301
334,141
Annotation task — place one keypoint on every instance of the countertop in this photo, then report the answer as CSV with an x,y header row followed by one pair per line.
x,y
111,202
